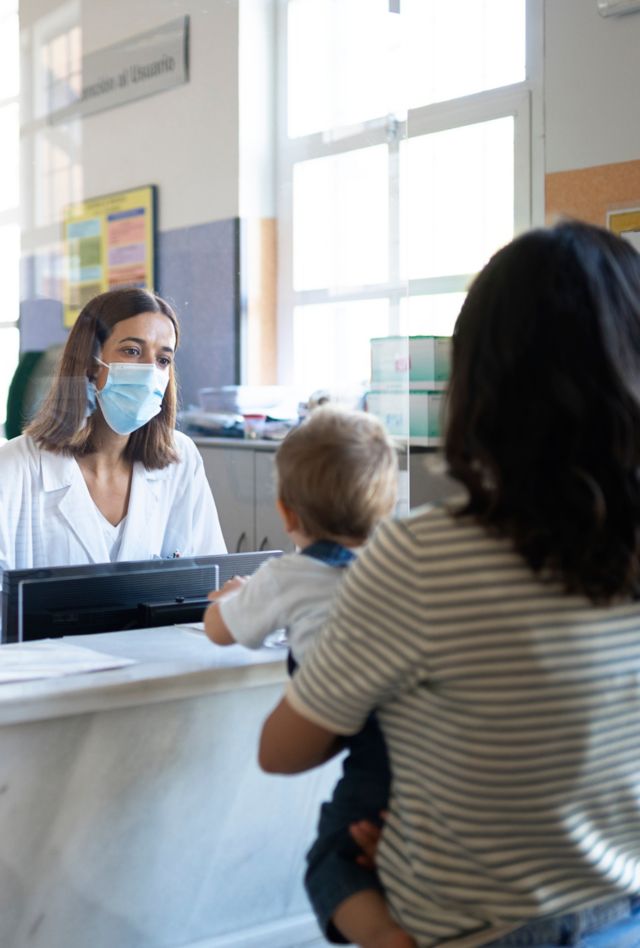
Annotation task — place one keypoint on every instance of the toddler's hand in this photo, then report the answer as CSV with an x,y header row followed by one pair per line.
x,y
367,835
236,582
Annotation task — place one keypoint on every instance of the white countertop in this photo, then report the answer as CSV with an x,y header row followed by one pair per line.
x,y
170,663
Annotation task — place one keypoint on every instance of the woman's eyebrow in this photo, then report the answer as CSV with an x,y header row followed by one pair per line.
x,y
141,342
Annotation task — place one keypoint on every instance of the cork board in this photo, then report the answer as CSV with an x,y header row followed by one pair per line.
x,y
589,194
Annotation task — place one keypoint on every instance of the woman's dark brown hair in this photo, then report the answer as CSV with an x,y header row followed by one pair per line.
x,y
61,424
543,412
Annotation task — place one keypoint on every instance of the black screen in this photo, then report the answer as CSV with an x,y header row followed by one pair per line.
x,y
108,597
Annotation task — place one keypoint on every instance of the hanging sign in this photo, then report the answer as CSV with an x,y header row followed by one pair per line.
x,y
138,66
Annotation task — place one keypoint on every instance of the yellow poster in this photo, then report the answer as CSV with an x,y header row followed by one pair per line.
x,y
109,242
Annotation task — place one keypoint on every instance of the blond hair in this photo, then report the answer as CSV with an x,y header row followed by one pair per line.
x,y
338,472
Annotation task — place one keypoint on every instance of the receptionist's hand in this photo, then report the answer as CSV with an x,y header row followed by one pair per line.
x,y
230,586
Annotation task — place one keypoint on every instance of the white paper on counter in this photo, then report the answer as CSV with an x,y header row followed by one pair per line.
x,y
48,658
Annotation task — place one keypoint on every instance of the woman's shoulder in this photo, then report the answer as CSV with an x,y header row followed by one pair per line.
x,y
186,448
433,526
426,519
20,464
188,460
20,449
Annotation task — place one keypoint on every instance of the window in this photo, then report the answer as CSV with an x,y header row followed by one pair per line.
x,y
404,163
60,69
9,197
51,143
57,62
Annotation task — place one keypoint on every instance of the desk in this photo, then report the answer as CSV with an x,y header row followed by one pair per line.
x,y
132,810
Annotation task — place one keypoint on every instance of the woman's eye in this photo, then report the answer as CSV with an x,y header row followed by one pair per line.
x,y
164,362
131,351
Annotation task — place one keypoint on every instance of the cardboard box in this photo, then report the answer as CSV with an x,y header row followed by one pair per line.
x,y
419,362
412,414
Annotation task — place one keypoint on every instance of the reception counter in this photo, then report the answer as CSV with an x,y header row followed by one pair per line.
x,y
132,810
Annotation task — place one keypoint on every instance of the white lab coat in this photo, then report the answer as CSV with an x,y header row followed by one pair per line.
x,y
47,516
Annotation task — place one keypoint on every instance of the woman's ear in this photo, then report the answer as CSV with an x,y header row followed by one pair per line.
x,y
289,516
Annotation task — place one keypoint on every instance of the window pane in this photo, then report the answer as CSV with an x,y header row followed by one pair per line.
x,y
456,49
9,344
341,63
457,198
49,272
430,315
9,133
340,220
331,343
9,52
75,49
10,272
59,57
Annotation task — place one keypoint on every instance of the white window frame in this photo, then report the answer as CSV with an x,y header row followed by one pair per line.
x,y
522,101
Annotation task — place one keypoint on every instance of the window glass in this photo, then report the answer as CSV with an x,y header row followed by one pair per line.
x,y
331,343
59,172
374,63
10,255
9,345
9,50
340,219
432,315
457,199
340,64
75,62
456,49
9,136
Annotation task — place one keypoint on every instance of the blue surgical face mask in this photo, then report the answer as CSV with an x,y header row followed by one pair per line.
x,y
132,394
91,398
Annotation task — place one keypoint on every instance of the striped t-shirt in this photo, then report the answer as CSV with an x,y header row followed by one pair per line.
x,y
512,716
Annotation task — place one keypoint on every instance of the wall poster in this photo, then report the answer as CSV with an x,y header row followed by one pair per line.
x,y
109,241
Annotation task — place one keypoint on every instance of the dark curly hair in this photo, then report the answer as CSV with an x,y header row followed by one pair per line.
x,y
543,411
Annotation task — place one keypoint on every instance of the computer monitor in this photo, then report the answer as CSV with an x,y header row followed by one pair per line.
x,y
49,602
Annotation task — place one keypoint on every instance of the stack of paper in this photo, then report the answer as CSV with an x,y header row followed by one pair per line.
x,y
51,659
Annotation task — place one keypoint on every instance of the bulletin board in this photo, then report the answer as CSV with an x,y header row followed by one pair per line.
x,y
626,223
592,194
109,241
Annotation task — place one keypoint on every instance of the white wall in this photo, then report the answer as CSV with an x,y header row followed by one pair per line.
x,y
184,140
592,66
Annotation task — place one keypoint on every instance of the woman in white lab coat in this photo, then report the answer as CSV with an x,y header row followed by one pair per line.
x,y
100,474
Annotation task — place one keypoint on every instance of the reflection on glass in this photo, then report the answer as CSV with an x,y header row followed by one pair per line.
x,y
446,61
340,71
9,48
9,345
340,219
9,132
331,343
457,198
9,255
61,69
58,172
430,315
